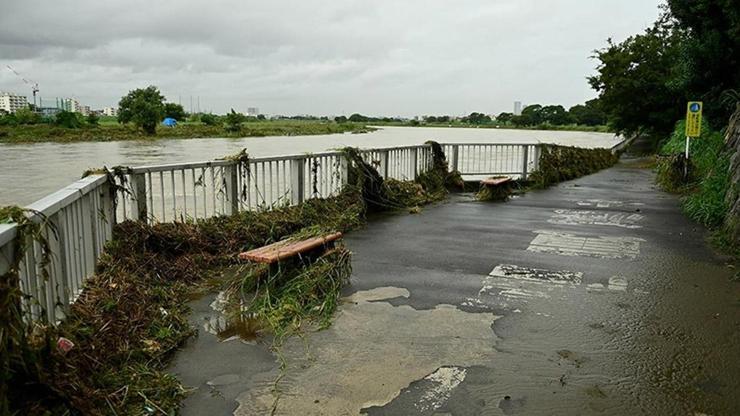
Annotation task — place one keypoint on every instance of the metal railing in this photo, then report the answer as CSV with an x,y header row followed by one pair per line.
x,y
188,191
78,220
487,159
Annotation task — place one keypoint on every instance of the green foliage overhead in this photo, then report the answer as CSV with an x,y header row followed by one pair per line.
x,y
144,107
710,63
634,81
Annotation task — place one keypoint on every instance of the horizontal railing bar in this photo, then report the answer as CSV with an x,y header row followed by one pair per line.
x,y
7,233
52,203
225,162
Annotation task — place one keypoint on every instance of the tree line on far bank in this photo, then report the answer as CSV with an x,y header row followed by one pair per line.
x,y
536,115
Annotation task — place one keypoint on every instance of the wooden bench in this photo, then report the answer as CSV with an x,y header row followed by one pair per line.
x,y
492,182
286,249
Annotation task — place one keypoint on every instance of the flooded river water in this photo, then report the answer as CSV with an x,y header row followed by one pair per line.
x,y
31,171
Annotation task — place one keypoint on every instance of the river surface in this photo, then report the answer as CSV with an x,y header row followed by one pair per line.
x,y
31,171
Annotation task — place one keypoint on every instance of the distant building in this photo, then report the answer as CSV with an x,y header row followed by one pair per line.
x,y
110,111
69,104
253,111
517,108
85,110
11,103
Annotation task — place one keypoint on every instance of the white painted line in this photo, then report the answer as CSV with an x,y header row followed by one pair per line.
x,y
584,217
444,380
617,283
564,244
602,203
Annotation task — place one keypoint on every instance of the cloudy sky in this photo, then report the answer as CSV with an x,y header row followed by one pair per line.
x,y
380,57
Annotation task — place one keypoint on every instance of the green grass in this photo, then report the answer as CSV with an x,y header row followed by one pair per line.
x,y
704,194
110,131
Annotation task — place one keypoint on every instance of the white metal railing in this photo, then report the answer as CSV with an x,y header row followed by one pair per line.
x,y
78,220
186,191
76,223
487,159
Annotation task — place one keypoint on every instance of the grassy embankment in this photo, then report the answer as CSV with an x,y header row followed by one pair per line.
x,y
111,131
704,194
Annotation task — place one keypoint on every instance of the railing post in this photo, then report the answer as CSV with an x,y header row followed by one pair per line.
x,y
297,180
414,164
232,187
138,184
537,154
58,274
108,208
456,158
525,162
383,163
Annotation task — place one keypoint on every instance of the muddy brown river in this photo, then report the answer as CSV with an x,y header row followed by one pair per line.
x,y
31,171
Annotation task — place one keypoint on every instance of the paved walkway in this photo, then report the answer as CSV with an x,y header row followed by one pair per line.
x,y
593,297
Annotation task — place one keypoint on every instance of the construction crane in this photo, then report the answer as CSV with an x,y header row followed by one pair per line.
x,y
34,85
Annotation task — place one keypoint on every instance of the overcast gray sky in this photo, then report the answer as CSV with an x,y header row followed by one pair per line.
x,y
380,57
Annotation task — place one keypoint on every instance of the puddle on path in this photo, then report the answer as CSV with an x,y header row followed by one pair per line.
x,y
231,325
371,353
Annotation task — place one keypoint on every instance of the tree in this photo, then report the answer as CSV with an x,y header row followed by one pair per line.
x,y
710,51
68,120
555,115
531,115
636,84
504,117
261,117
233,121
477,118
340,119
27,116
93,119
209,119
358,118
589,114
174,110
144,107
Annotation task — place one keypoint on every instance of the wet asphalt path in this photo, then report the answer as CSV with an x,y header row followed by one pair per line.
x,y
593,297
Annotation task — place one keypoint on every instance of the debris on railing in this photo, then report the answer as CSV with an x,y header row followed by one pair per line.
x,y
562,163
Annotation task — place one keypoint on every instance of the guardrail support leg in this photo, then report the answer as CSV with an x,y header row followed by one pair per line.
x,y
232,188
384,164
138,183
456,158
414,164
525,162
297,180
537,154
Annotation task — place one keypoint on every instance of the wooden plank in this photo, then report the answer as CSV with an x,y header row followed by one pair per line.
x,y
495,181
286,249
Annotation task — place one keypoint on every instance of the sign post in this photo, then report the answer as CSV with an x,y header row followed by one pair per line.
x,y
693,129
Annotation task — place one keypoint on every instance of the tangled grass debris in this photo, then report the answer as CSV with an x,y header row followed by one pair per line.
x,y
563,163
132,314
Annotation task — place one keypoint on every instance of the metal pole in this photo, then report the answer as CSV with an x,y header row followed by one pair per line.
x,y
686,159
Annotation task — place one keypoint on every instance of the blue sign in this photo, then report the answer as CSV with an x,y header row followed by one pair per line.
x,y
695,107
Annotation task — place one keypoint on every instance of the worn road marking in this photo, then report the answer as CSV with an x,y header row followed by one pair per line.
x,y
444,380
553,242
583,217
511,271
602,203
